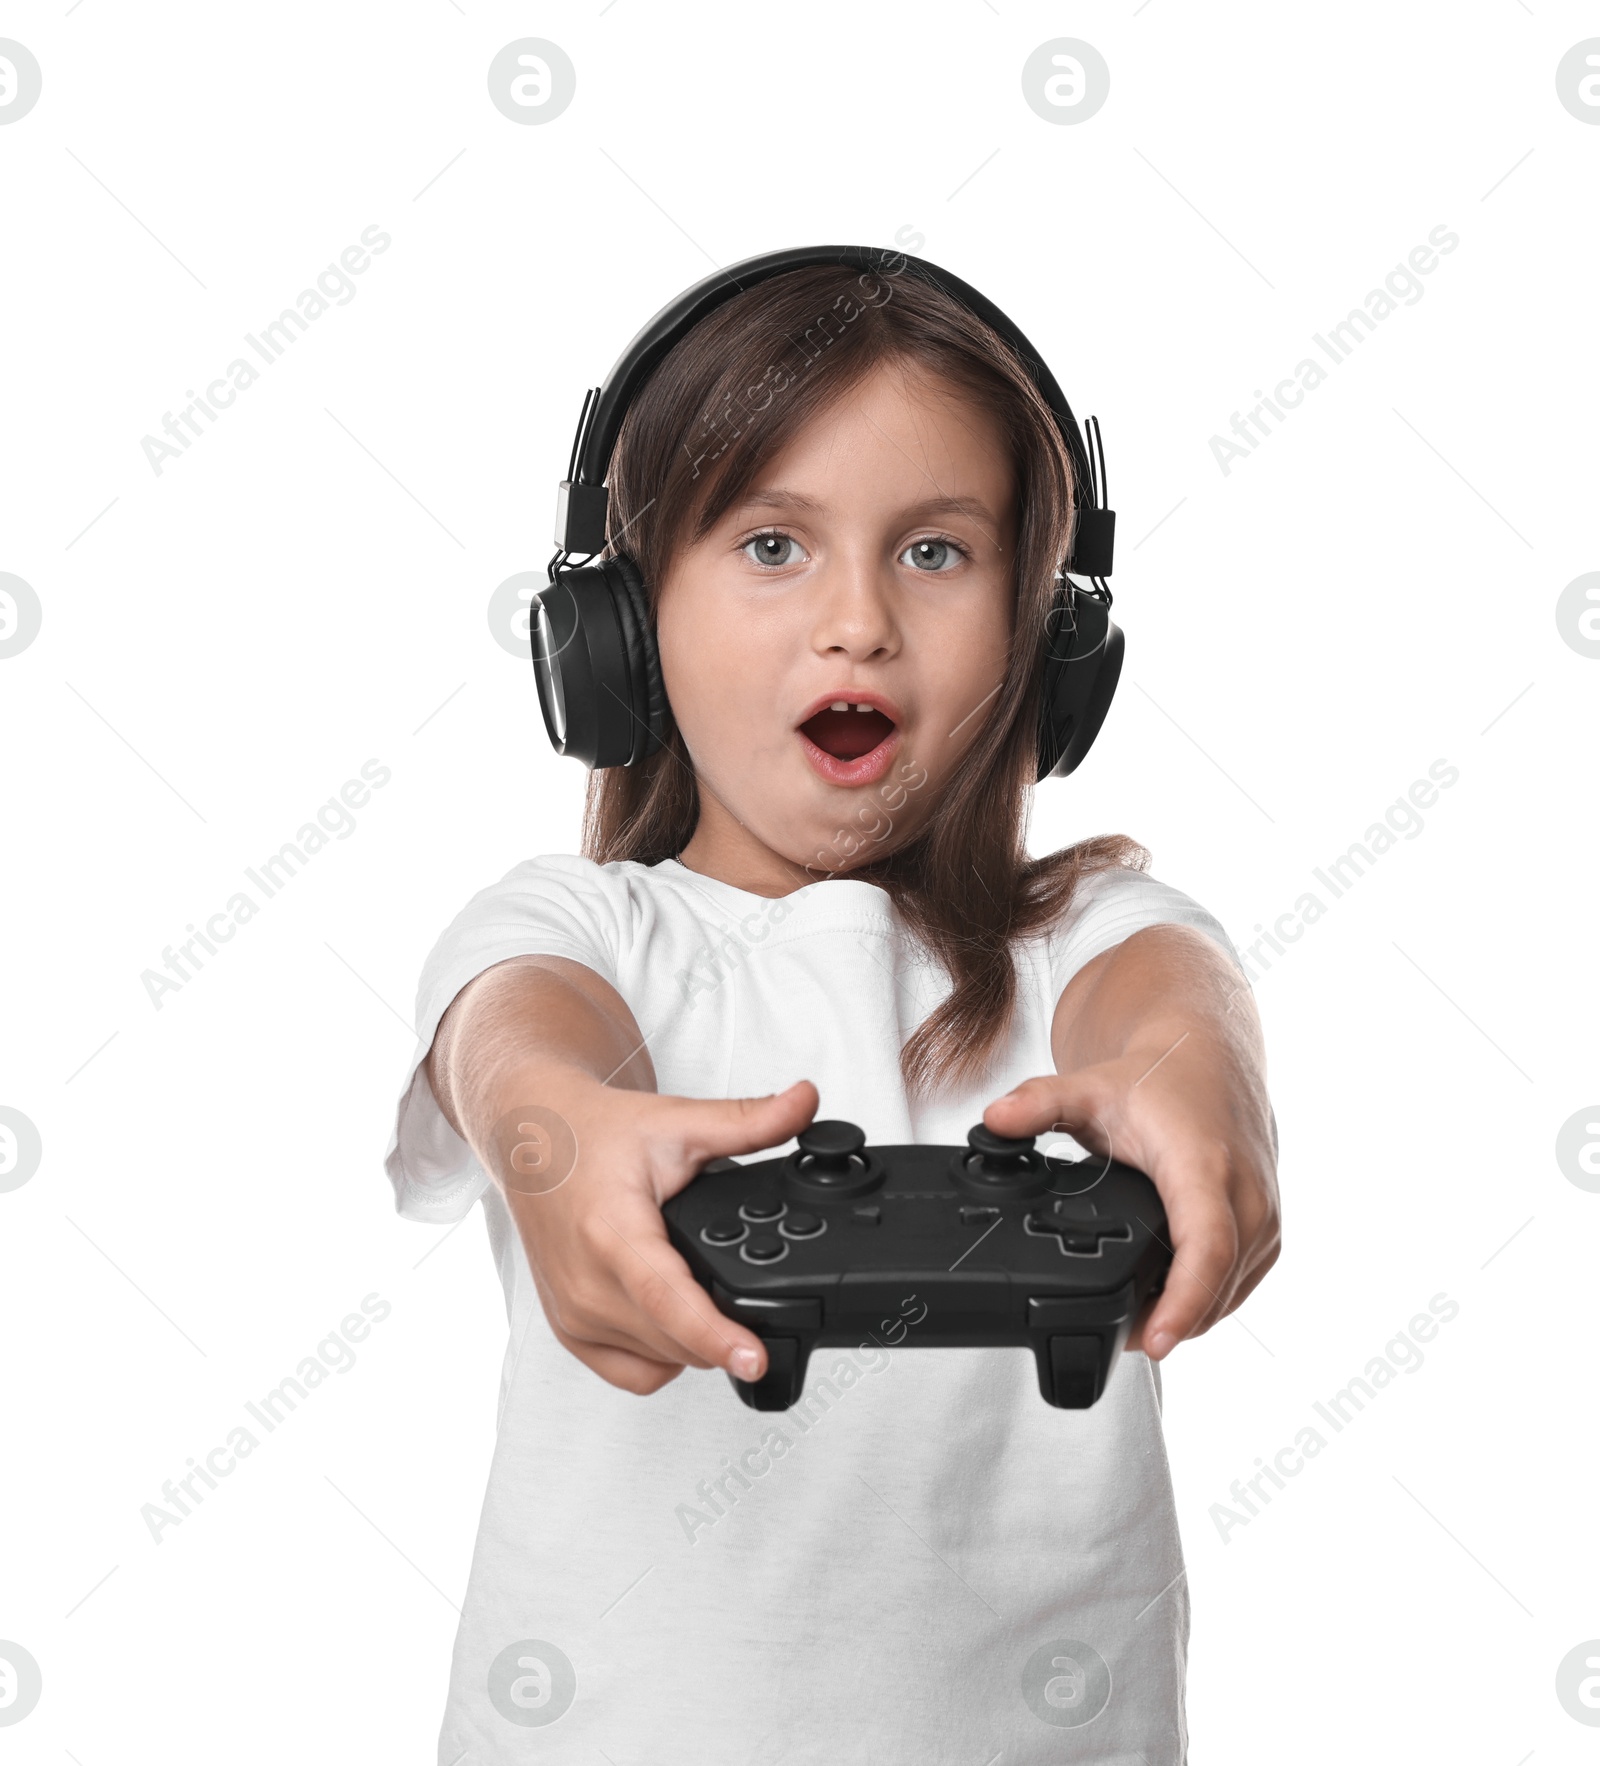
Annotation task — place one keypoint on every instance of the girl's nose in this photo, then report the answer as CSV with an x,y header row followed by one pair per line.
x,y
855,608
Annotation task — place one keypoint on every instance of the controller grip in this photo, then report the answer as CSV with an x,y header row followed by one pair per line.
x,y
1073,1370
780,1386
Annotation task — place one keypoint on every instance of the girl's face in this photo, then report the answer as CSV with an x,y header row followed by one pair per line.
x,y
869,567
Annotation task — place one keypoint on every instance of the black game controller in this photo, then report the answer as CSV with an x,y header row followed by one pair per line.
x,y
997,1245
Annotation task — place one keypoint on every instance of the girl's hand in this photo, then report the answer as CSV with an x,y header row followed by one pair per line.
x,y
588,1209
1189,1109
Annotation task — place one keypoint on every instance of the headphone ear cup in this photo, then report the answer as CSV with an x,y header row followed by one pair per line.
x,y
595,661
649,694
647,698
579,638
1083,662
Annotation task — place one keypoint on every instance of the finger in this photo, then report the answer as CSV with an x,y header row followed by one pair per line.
x,y
1205,1251
1258,1267
619,1367
574,1326
602,1314
1260,1240
714,1128
626,1368
1141,1324
1076,1103
665,1310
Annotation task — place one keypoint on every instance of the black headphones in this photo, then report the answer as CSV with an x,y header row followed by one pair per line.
x,y
594,647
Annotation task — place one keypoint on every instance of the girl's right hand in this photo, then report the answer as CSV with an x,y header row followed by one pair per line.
x,y
588,1210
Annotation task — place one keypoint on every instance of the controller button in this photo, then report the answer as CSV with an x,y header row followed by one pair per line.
x,y
764,1248
763,1208
978,1216
801,1225
869,1216
724,1230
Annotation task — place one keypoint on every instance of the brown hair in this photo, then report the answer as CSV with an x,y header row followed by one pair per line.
x,y
731,395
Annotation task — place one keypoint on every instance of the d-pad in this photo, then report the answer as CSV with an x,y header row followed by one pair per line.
x,y
1081,1234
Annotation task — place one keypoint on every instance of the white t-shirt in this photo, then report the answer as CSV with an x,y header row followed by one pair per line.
x,y
923,1561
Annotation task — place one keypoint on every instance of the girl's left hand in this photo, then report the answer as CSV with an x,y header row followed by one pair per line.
x,y
1190,1111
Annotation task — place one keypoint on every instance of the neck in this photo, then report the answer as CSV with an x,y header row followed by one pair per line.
x,y
724,848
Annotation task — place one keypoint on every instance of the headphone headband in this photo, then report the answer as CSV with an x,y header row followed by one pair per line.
x,y
582,504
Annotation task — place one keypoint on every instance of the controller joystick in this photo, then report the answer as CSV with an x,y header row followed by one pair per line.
x,y
830,1161
997,1165
829,1145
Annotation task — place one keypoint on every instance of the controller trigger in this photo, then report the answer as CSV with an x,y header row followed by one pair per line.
x,y
780,1386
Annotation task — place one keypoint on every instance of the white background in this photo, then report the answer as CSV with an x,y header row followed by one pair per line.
x,y
225,643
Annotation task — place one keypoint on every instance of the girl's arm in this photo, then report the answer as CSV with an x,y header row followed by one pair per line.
x,y
523,1012
1159,1063
539,1066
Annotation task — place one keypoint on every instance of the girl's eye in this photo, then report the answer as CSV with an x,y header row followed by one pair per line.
x,y
933,555
771,549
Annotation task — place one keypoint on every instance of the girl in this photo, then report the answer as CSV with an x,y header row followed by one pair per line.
x,y
815,898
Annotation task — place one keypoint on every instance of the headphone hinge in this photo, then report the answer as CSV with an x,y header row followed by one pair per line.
x,y
581,517
1093,542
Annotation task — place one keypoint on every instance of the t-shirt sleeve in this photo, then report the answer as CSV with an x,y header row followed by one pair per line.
x,y
1111,905
557,906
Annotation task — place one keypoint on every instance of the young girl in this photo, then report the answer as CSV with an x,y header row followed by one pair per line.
x,y
815,900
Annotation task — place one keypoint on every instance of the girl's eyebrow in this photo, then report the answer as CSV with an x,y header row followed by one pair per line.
x,y
775,497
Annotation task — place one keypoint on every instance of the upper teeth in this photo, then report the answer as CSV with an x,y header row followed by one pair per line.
x,y
844,705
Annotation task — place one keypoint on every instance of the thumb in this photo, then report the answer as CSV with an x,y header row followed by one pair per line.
x,y
1070,1102
714,1127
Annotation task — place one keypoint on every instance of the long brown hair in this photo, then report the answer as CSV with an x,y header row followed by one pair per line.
x,y
723,402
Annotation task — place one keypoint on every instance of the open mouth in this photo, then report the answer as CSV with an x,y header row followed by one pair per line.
x,y
848,731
